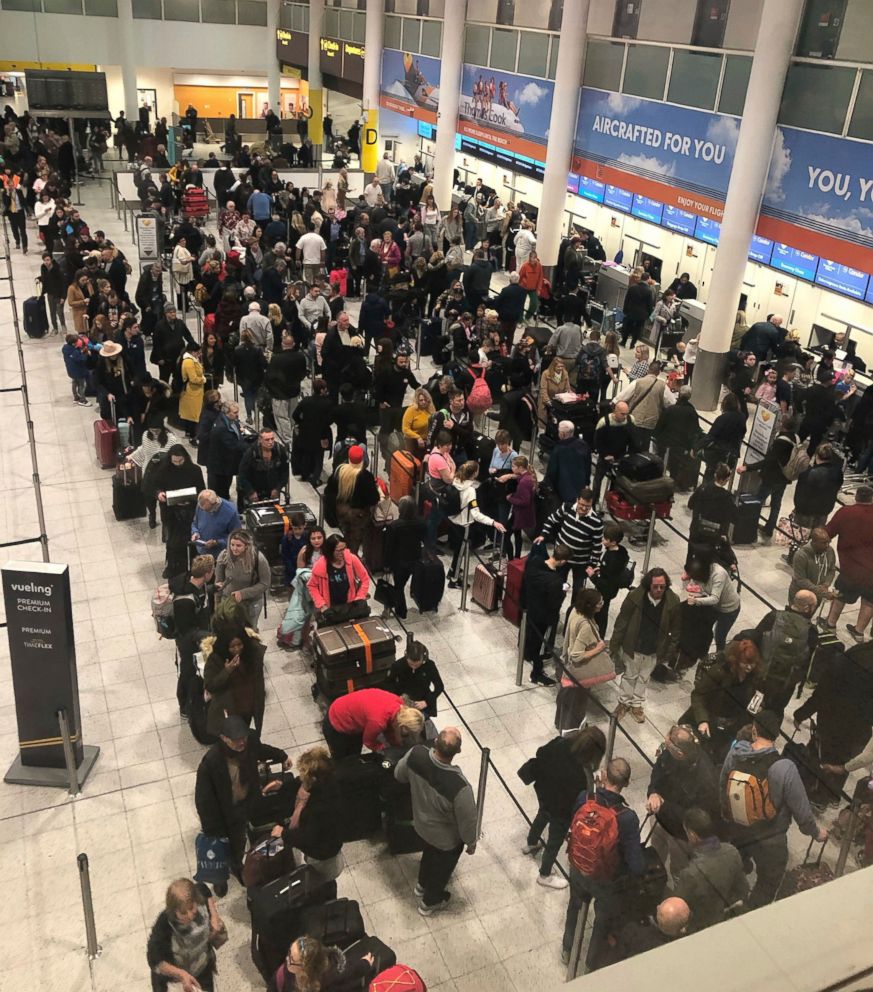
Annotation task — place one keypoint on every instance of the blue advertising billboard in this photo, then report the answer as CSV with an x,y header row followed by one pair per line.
x,y
618,198
845,280
647,209
794,262
679,220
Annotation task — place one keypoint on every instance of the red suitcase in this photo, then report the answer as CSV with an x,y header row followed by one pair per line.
x,y
623,509
105,443
512,596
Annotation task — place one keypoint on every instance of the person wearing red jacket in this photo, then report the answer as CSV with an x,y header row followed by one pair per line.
x,y
370,717
530,277
853,528
338,576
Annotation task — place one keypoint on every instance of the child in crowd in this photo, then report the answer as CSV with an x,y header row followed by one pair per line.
x,y
501,466
76,353
416,677
292,544
613,574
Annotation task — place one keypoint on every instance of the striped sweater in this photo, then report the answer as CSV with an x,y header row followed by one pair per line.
x,y
583,535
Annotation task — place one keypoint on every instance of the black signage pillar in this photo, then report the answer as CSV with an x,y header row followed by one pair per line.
x,y
39,617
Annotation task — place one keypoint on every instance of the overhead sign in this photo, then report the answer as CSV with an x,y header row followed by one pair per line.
x,y
147,238
292,47
342,59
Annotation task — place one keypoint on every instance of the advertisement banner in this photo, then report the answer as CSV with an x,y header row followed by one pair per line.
x,y
507,110
819,194
410,85
39,615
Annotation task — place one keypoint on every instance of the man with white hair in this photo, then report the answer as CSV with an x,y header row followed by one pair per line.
x,y
385,176
258,326
214,521
509,305
569,469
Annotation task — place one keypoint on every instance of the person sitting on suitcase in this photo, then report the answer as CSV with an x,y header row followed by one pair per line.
x,y
754,770
371,718
416,676
227,791
338,577
309,964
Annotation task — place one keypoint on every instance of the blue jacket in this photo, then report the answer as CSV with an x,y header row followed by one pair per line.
x,y
217,526
76,361
569,470
629,842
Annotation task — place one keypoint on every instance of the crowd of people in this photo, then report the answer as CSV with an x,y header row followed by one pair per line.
x,y
272,286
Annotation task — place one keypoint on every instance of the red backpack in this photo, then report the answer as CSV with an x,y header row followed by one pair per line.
x,y
400,978
593,844
479,399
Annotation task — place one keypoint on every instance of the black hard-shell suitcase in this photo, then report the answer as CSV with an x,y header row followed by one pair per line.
x,y
383,956
359,780
641,467
684,469
332,687
268,522
428,583
128,500
746,529
337,923
35,319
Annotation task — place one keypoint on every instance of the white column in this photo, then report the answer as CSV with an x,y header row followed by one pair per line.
x,y
373,44
274,93
780,20
454,22
562,129
127,56
316,90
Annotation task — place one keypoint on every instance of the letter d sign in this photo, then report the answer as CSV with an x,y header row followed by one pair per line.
x,y
370,141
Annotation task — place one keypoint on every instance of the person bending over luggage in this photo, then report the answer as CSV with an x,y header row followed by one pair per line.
x,y
310,965
227,792
263,470
372,718
562,769
463,521
314,826
416,676
180,947
234,678
338,577
241,571
760,834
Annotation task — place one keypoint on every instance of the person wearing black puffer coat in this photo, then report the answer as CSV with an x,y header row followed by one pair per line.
x,y
818,487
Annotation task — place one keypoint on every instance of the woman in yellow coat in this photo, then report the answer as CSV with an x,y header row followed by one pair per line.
x,y
191,400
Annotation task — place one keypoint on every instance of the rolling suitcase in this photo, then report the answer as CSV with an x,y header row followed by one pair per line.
x,y
332,687
404,472
512,597
337,923
397,806
746,529
128,499
106,441
359,781
351,650
383,956
488,580
269,522
807,876
641,467
684,469
35,319
428,583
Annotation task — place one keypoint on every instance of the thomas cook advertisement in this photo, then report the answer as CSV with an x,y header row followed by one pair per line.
x,y
507,110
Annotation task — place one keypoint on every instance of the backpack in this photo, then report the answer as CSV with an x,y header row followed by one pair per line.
x,y
746,799
162,611
593,844
798,461
399,978
449,500
589,366
785,648
479,399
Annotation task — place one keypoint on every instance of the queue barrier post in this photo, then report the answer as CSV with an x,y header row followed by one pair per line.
x,y
610,737
848,838
575,959
69,755
480,792
466,569
522,635
93,948
650,539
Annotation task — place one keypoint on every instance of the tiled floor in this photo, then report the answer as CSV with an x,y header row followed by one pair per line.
x,y
136,818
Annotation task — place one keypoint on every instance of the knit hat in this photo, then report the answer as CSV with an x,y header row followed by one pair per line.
x,y
356,454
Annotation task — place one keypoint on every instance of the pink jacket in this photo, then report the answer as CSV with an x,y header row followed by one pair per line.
x,y
319,587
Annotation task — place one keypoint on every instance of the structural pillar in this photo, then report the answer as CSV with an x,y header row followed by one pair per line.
x,y
127,55
562,129
274,84
780,20
373,43
454,22
316,90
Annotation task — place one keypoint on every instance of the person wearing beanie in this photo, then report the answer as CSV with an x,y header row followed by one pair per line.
x,y
349,496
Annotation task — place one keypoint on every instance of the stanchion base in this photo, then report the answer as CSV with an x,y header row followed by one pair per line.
x,y
53,778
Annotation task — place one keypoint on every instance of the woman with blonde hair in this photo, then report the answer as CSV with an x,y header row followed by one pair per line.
x,y
181,945
277,320
349,496
553,381
522,501
310,966
371,718
416,420
328,196
242,572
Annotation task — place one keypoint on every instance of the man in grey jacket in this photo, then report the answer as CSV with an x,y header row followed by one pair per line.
x,y
444,814
567,342
765,841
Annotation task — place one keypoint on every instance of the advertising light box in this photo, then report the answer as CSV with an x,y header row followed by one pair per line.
x,y
591,189
679,220
647,209
707,230
618,198
842,279
794,262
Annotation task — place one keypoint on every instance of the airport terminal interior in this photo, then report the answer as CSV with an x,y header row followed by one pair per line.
x,y
710,158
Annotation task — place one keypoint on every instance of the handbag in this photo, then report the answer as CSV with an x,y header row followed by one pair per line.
x,y
384,592
213,855
596,670
528,771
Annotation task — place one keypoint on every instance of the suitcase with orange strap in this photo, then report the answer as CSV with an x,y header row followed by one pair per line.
x,y
353,656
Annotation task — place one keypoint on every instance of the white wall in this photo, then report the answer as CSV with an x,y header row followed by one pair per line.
x,y
856,39
741,30
55,37
600,17
667,20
